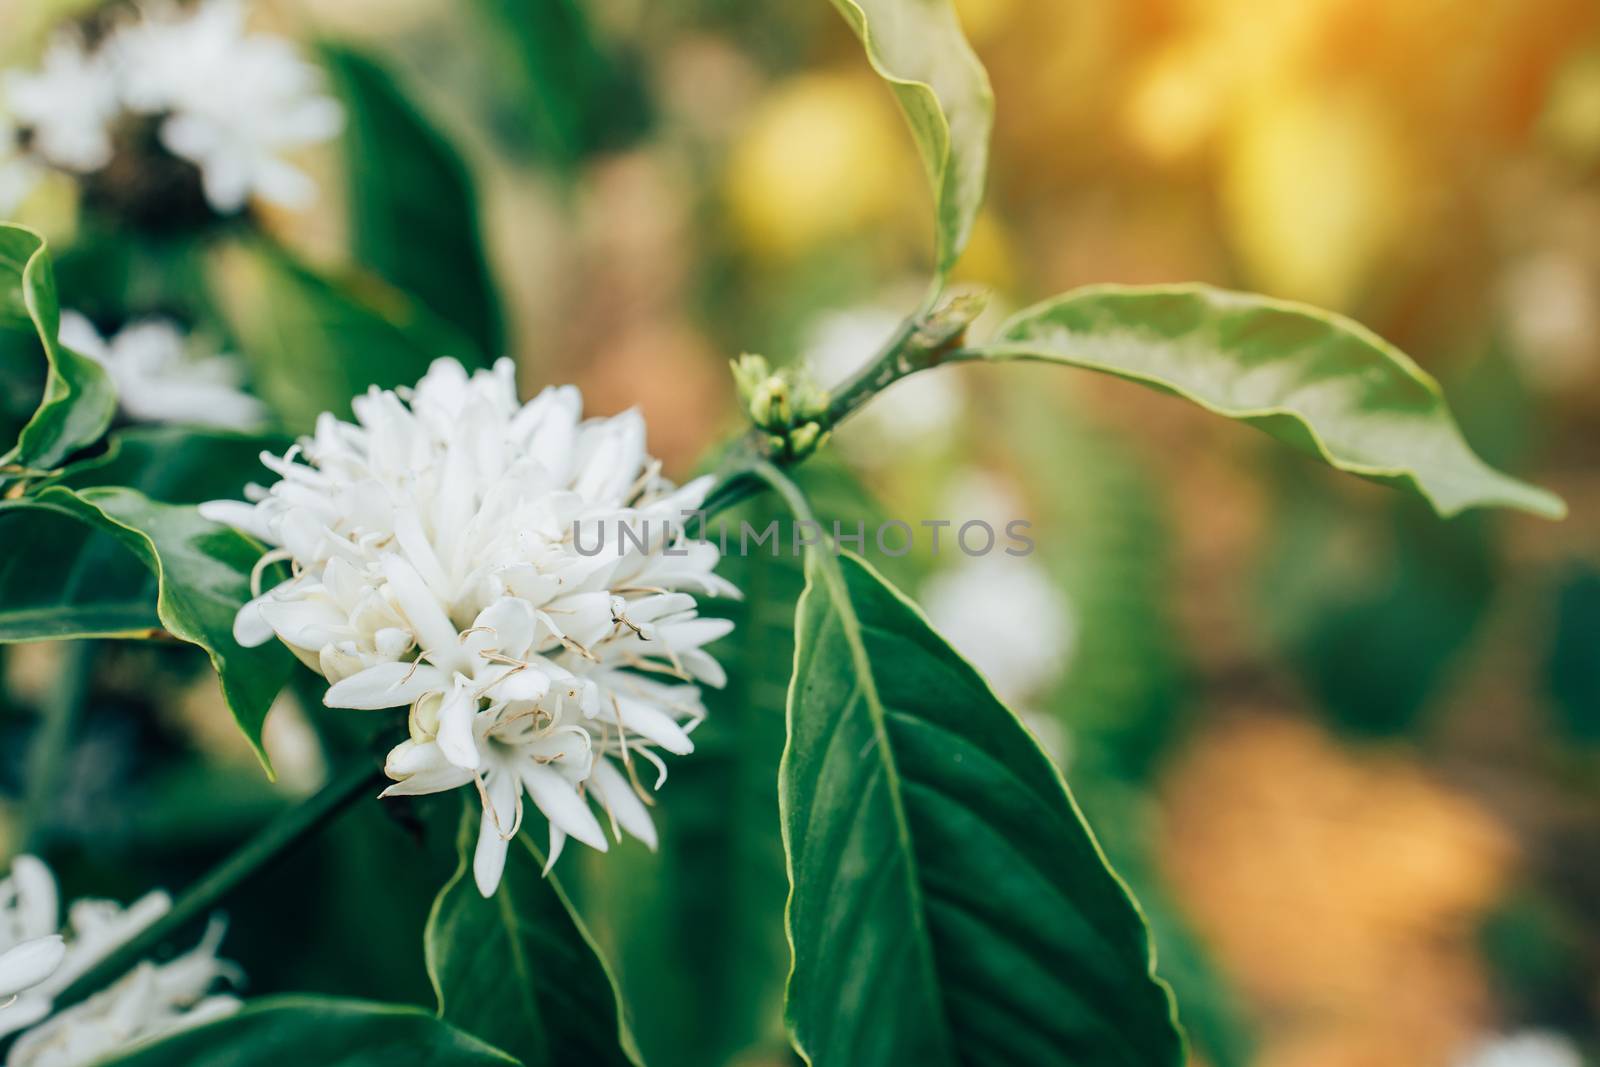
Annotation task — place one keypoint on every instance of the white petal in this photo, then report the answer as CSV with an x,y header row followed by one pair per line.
x,y
489,858
251,628
456,716
423,611
558,841
650,722
30,963
38,906
387,685
617,795
562,805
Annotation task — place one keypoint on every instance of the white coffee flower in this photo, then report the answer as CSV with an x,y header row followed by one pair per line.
x,y
160,379
31,948
515,574
67,105
1528,1048
38,962
234,102
151,1001
20,171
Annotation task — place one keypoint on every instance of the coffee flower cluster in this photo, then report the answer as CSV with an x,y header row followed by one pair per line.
x,y
434,564
226,100
38,961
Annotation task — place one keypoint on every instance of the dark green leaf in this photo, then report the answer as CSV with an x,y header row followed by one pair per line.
x,y
62,578
949,906
176,465
201,570
409,191
78,399
1316,381
65,578
918,48
319,1032
520,969
315,343
1572,671
1373,610
566,96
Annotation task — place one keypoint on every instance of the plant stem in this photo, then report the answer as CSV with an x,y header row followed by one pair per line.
x,y
268,845
47,756
922,342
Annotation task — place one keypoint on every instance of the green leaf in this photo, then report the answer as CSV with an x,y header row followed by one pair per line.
x,y
1375,611
319,1032
176,465
314,343
948,903
707,905
78,399
62,578
1572,664
201,571
565,96
520,969
917,47
409,191
1315,380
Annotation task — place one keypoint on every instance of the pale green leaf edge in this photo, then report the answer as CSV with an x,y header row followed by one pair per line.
x,y
36,277
1512,492
820,560
930,129
625,1038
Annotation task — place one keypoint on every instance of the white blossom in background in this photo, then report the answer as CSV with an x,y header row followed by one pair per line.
x,y
232,102
159,379
31,946
67,105
151,1001
1553,314
38,961
911,411
19,170
1004,613
1527,1048
435,546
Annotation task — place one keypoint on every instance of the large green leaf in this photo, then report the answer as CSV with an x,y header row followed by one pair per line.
x,y
1316,381
66,578
519,968
62,578
176,465
917,47
78,399
408,191
948,904
319,1032
51,582
707,905
315,342
564,95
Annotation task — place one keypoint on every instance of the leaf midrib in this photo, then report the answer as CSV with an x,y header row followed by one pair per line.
x,y
850,629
